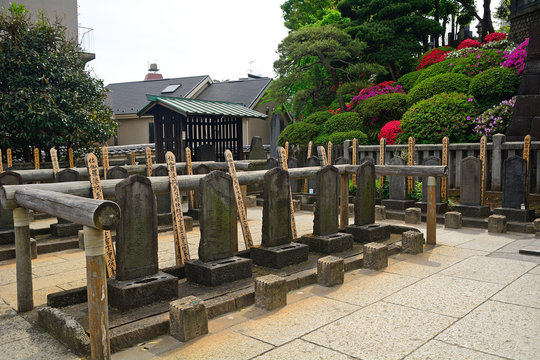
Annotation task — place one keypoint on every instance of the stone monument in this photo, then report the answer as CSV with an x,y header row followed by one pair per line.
x,y
195,210
470,196
117,172
440,206
256,150
398,198
7,234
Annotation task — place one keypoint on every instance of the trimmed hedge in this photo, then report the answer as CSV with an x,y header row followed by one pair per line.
x,y
318,118
477,62
380,109
340,136
407,81
446,114
494,85
448,82
342,122
436,69
321,139
299,133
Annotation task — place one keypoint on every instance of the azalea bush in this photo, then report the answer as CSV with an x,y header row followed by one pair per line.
x,y
318,118
437,69
495,37
516,58
504,45
386,87
448,82
407,81
494,85
433,56
342,122
378,110
467,43
298,133
446,114
340,136
390,131
495,120
474,63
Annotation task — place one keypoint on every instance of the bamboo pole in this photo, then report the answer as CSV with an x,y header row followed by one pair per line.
x,y
21,222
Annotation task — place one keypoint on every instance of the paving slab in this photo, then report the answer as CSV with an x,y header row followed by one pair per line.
x,y
445,295
43,347
302,350
498,328
495,270
516,256
380,331
445,250
294,320
487,243
422,265
438,350
524,291
536,270
515,245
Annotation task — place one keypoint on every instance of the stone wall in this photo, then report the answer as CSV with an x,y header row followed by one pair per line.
x,y
523,14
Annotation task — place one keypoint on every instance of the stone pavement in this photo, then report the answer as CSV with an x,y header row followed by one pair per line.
x,y
471,296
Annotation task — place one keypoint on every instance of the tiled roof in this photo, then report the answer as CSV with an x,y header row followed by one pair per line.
x,y
244,91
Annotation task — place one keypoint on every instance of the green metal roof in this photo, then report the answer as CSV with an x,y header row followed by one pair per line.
x,y
200,107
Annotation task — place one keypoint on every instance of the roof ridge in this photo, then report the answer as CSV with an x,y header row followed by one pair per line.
x,y
156,80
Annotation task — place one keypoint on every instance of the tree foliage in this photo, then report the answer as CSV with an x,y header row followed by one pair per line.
x,y
46,97
299,13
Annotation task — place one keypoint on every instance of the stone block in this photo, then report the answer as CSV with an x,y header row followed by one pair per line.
x,y
330,271
412,242
218,272
380,212
472,210
80,235
65,229
328,244
188,318
164,218
188,223
33,248
251,201
279,256
413,215
452,220
270,292
397,204
519,215
297,205
497,224
536,224
129,294
351,208
375,256
369,233
440,207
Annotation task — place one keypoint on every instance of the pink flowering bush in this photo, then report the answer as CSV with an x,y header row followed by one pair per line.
x,y
387,87
495,37
516,59
390,132
467,43
474,63
433,56
495,120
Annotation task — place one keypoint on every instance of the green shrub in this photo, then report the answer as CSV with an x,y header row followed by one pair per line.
x,y
318,118
378,110
436,69
340,136
494,85
407,81
448,82
446,114
321,139
299,133
476,62
342,122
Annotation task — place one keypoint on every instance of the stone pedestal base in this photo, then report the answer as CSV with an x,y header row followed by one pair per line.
x,y
194,213
306,199
397,204
497,224
330,271
280,256
188,318
472,211
166,219
7,236
375,256
440,208
133,293
270,292
369,233
218,272
66,229
516,214
328,244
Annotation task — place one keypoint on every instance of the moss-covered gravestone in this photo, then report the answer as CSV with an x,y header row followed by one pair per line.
x,y
277,249
194,210
63,227
326,238
256,150
138,280
470,191
398,198
217,264
364,228
117,172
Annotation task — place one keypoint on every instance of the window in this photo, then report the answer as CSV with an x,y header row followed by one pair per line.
x,y
170,89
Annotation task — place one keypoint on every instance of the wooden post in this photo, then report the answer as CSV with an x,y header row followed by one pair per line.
x,y
344,202
410,162
354,158
70,156
149,162
190,172
483,145
181,247
54,161
96,286
97,193
25,298
239,201
286,149
526,156
36,160
133,157
9,158
323,154
105,156
431,223
285,167
382,150
444,163
310,145
329,153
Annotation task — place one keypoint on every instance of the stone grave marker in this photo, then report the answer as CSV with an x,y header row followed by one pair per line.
x,y
312,182
217,263
341,161
63,227
276,127
138,279
205,152
277,248
7,235
292,162
470,197
440,207
256,150
194,211
117,172
398,198
271,163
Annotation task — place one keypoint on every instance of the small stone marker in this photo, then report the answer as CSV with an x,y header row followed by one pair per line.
x,y
375,256
453,220
536,223
440,207
270,292
117,172
256,150
292,163
330,271
326,212
188,318
380,212
412,242
105,156
413,216
205,152
364,202
7,235
497,224
271,163
398,186
470,192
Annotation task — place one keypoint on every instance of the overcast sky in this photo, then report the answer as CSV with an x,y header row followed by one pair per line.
x,y
185,38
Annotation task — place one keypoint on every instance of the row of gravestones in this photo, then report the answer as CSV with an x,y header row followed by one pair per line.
x,y
139,281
